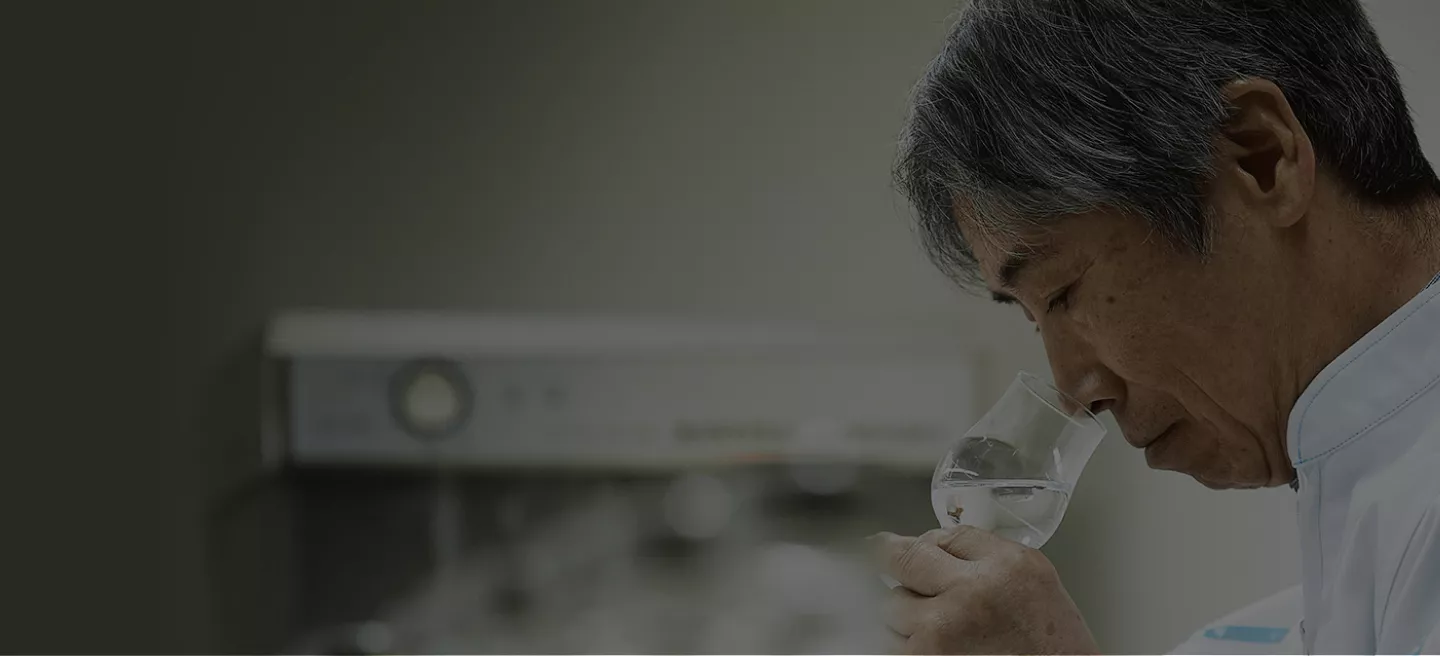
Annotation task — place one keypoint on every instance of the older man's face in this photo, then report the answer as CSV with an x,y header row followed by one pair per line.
x,y
1179,349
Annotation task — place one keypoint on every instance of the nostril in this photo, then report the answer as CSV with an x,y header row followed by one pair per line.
x,y
1102,405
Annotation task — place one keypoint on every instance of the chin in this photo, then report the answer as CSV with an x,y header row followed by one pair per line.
x,y
1219,483
1215,485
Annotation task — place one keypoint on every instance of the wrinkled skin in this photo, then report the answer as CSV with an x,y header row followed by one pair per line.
x,y
967,591
1199,358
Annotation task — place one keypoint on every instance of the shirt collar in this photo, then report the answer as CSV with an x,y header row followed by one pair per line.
x,y
1371,380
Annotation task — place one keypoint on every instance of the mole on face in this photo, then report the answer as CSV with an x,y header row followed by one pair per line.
x,y
1109,299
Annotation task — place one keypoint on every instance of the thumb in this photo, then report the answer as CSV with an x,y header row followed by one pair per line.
x,y
968,542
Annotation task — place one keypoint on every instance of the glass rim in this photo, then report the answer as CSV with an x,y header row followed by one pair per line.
x,y
1030,382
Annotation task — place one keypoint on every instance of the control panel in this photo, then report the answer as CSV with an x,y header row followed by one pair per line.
x,y
623,408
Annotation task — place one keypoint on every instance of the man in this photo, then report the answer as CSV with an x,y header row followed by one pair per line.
x,y
1219,219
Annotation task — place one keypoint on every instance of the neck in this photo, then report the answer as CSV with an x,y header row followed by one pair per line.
x,y
1359,269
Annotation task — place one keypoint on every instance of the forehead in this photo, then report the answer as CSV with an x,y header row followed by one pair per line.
x,y
1001,256
1060,242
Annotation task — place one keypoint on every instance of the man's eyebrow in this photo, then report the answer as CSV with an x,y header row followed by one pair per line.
x,y
1003,298
1016,262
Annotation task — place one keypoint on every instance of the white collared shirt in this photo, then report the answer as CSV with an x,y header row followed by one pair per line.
x,y
1365,442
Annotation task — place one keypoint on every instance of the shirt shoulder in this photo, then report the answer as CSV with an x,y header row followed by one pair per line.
x,y
1402,505
1407,488
1403,493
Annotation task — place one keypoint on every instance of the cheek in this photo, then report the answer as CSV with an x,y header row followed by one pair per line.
x,y
1164,359
1131,333
1143,311
1174,369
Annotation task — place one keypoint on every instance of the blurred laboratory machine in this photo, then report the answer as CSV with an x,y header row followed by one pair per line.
x,y
506,484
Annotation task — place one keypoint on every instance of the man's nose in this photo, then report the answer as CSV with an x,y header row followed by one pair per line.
x,y
1088,396
1082,377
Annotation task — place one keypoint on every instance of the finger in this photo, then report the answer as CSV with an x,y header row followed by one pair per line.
x,y
935,535
919,565
903,611
969,542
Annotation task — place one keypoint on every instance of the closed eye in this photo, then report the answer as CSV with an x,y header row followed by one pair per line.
x,y
1006,299
1061,300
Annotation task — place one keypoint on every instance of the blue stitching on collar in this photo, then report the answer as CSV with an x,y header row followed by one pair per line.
x,y
1373,424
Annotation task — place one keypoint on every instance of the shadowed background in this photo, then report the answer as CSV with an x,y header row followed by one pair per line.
x,y
200,168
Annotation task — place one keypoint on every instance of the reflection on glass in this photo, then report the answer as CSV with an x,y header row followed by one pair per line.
x,y
1013,471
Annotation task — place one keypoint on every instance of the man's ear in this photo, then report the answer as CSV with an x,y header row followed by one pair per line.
x,y
1264,153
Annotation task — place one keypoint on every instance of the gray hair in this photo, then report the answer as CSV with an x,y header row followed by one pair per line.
x,y
1040,109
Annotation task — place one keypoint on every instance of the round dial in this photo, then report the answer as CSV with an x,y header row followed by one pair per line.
x,y
431,398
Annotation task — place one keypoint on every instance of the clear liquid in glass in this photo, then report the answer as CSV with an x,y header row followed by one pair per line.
x,y
1026,511
1013,472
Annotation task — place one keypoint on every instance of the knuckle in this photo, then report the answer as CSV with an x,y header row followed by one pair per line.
x,y
1033,562
935,536
966,529
1017,558
957,532
949,539
945,539
951,625
939,622
910,555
